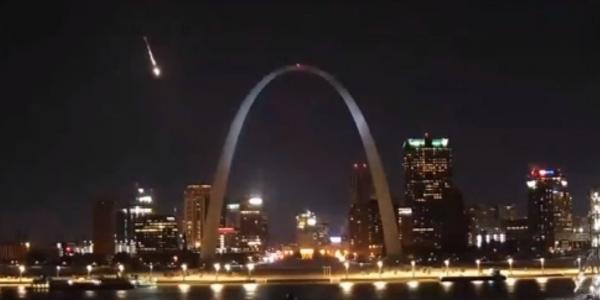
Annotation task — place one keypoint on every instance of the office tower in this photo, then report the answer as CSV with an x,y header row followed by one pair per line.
x,y
103,226
550,209
142,205
232,215
365,233
438,220
195,206
361,183
156,234
310,233
253,230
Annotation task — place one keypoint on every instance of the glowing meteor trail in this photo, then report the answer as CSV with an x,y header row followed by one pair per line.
x,y
155,67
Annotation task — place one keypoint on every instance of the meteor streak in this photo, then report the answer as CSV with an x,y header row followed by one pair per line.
x,y
155,67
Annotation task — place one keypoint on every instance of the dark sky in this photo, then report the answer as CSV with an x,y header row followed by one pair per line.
x,y
511,85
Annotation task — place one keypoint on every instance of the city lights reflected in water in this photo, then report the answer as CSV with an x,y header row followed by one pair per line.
x,y
510,281
510,284
413,284
541,280
346,287
379,285
21,291
90,294
216,287
184,287
512,288
250,288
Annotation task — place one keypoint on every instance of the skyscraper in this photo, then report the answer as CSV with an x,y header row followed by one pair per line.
x,y
438,220
365,233
310,233
253,232
156,234
143,205
103,226
550,208
362,184
195,206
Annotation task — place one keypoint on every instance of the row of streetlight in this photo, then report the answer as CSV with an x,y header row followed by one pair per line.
x,y
510,262
250,268
217,267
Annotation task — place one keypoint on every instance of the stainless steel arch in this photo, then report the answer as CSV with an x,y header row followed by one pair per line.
x,y
386,209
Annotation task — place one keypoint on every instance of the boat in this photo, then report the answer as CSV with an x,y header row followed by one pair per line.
x,y
495,276
90,284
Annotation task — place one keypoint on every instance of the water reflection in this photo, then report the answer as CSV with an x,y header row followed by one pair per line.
x,y
184,287
529,289
346,287
216,287
413,284
250,289
379,285
21,291
447,285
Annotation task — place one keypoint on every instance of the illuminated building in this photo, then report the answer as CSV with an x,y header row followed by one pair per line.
x,y
195,207
592,259
309,232
253,228
232,215
365,232
575,239
404,215
142,206
438,220
517,233
156,234
550,210
229,240
361,184
484,225
103,227
594,218
75,248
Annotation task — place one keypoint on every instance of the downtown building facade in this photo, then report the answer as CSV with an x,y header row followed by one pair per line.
x,y
196,199
310,233
365,232
244,227
142,232
103,226
437,222
550,210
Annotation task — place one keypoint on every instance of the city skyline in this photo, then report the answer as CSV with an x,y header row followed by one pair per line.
x,y
105,123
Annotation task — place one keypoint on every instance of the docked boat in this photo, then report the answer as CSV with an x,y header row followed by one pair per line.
x,y
90,284
495,276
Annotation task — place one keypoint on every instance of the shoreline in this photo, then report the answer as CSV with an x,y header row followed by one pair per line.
x,y
387,277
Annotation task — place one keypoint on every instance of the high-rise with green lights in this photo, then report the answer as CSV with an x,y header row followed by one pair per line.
x,y
437,222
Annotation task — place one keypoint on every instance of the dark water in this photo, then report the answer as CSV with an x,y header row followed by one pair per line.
x,y
524,289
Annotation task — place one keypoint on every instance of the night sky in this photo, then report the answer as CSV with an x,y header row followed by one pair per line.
x,y
511,85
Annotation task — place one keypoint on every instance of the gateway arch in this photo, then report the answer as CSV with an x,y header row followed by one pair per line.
x,y
217,194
